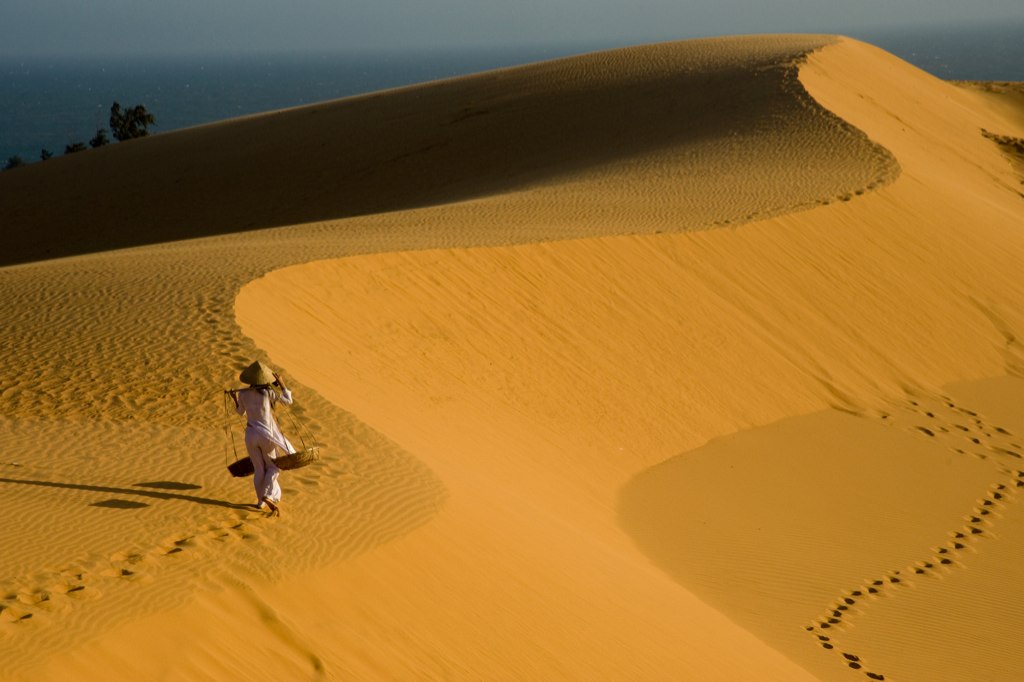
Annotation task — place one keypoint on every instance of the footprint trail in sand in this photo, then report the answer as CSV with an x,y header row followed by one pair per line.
x,y
968,434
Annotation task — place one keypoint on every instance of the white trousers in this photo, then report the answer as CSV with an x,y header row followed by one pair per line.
x,y
263,452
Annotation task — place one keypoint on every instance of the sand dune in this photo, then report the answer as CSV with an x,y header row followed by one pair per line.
x,y
727,107
753,421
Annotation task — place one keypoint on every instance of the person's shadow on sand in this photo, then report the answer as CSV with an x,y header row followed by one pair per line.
x,y
156,493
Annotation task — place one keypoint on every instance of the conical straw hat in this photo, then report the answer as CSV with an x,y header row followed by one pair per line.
x,y
257,374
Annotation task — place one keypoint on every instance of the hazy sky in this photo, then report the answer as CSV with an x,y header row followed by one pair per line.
x,y
174,26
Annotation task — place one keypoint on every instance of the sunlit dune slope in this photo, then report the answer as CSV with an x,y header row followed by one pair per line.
x,y
537,381
725,108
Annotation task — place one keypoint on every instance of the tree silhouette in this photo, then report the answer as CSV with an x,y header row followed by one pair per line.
x,y
130,123
126,124
100,140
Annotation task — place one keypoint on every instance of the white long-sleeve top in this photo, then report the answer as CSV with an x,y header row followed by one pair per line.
x,y
256,404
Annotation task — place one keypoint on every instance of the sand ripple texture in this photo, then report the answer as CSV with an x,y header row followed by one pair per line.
x,y
114,446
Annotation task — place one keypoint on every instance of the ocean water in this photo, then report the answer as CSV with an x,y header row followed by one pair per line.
x,y
47,103
978,53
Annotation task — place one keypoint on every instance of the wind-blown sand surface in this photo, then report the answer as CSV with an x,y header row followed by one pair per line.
x,y
686,361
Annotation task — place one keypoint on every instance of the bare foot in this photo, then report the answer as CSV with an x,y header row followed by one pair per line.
x,y
275,507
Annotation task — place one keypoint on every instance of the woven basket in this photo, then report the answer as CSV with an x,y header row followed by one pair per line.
x,y
297,460
241,468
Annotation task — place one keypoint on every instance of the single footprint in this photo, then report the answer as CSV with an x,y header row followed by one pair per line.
x,y
33,598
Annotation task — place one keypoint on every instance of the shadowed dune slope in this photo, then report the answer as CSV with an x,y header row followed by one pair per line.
x,y
453,140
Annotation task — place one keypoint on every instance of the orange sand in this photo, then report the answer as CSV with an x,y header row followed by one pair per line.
x,y
686,361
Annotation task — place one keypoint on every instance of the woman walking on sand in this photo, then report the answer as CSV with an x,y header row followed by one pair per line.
x,y
263,437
